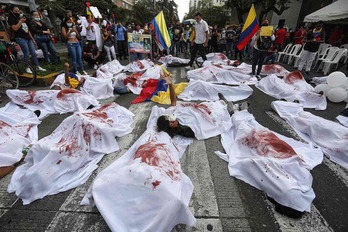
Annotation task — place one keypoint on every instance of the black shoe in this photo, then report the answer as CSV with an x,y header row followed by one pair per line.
x,y
307,73
37,112
222,97
292,213
90,107
258,77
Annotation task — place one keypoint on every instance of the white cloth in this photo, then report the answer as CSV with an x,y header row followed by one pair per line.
x,y
214,74
343,120
110,69
52,101
296,89
306,60
60,81
224,64
94,34
204,91
66,158
215,57
273,163
98,87
173,61
267,69
18,129
201,28
319,80
82,21
330,136
207,119
139,65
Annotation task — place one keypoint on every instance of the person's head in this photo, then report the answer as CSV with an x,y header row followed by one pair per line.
x,y
15,10
280,26
198,17
44,12
105,16
69,13
265,22
36,16
167,123
319,25
68,22
178,22
119,22
137,27
215,26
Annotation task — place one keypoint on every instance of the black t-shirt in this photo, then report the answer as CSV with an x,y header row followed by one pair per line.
x,y
214,35
37,29
312,46
229,35
23,31
91,48
177,32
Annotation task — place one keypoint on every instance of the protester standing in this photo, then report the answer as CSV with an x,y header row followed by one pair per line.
x,y
177,36
336,36
109,41
17,21
280,38
300,35
214,39
261,46
229,37
201,39
137,30
121,33
222,40
313,40
236,39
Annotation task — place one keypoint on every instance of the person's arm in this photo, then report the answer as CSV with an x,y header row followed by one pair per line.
x,y
206,39
19,24
98,54
31,37
172,94
66,76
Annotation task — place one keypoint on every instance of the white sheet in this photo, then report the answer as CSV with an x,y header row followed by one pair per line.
x,y
52,101
268,69
99,88
330,136
60,81
343,120
214,57
66,158
146,184
110,69
18,129
204,91
291,91
172,60
319,80
270,162
139,65
214,74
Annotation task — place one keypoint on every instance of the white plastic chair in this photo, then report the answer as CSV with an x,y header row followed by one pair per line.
x,y
298,49
321,53
297,58
346,56
286,51
327,63
294,50
329,55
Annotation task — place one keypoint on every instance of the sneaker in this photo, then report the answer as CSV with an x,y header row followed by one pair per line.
x,y
188,68
84,73
95,67
28,70
222,97
78,73
258,77
244,106
41,69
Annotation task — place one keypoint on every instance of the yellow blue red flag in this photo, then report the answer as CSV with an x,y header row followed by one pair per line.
x,y
161,31
251,26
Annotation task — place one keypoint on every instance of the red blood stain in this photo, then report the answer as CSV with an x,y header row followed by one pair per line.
x,y
155,184
267,144
65,93
32,100
158,156
222,56
293,77
201,108
140,65
132,79
217,65
59,161
100,114
3,124
272,68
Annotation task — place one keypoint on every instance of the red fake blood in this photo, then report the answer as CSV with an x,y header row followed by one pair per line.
x,y
155,184
222,56
140,65
59,161
65,93
100,114
293,77
267,144
3,124
158,156
272,68
201,108
132,79
217,65
32,100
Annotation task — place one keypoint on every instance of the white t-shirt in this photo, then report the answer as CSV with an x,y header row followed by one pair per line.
x,y
201,28
141,31
91,33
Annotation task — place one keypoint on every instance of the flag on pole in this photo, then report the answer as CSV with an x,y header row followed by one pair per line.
x,y
89,13
251,26
162,35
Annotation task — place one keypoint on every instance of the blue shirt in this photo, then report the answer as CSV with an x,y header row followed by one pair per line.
x,y
120,32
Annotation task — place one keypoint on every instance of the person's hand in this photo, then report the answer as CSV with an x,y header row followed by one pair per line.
x,y
22,20
167,78
66,65
206,44
191,43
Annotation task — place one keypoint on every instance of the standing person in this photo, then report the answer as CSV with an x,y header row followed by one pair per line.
x,y
236,39
201,39
280,38
71,35
223,40
192,37
46,20
109,41
121,32
17,21
42,36
229,39
177,36
300,35
187,37
313,40
214,39
137,30
336,36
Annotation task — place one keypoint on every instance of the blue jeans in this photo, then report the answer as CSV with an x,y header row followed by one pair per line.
x,y
46,47
176,46
229,48
28,46
75,54
271,57
140,55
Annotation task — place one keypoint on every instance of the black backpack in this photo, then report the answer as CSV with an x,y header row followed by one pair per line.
x,y
264,43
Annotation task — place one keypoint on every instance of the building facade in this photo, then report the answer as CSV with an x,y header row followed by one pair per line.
x,y
127,4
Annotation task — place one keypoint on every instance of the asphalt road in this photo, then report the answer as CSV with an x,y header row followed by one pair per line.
x,y
219,202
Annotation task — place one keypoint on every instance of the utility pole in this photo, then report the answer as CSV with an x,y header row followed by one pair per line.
x,y
32,5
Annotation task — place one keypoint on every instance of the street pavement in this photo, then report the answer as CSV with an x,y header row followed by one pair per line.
x,y
219,202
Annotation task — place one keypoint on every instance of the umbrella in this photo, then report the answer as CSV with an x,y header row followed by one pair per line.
x,y
188,21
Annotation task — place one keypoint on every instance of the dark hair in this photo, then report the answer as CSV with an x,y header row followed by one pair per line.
x,y
33,11
12,7
198,14
163,125
320,22
42,10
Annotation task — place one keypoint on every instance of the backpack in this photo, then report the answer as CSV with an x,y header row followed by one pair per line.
x,y
264,43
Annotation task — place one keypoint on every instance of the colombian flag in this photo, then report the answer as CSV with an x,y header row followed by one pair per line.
x,y
251,26
160,28
89,13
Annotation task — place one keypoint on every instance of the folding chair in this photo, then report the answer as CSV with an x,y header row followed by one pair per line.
x,y
346,56
330,54
327,63
286,51
294,50
295,53
321,53
297,58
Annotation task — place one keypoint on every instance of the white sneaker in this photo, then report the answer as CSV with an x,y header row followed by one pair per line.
x,y
95,67
28,70
244,106
188,68
41,69
84,73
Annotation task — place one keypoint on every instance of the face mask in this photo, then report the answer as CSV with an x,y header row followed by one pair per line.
x,y
46,14
69,24
20,15
171,117
37,19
